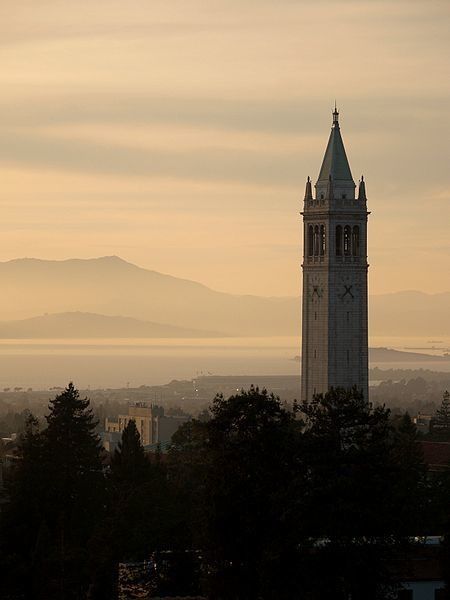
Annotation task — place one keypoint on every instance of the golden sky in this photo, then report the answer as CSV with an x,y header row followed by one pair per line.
x,y
178,134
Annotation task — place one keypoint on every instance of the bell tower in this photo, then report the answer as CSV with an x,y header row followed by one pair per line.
x,y
334,322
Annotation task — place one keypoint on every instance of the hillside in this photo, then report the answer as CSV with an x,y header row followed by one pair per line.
x,y
111,286
410,313
89,325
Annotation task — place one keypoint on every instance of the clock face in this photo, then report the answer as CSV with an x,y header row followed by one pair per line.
x,y
315,288
347,289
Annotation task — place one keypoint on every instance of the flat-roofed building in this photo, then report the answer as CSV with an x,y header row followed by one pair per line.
x,y
153,425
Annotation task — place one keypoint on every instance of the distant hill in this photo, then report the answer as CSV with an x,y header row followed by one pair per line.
x,y
89,325
111,286
410,313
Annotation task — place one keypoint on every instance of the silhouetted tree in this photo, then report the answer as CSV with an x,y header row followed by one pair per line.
x,y
359,474
141,498
129,465
74,499
441,423
410,485
279,503
115,539
247,469
23,525
142,519
58,497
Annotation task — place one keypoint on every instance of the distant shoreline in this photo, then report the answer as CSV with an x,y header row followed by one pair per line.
x,y
382,354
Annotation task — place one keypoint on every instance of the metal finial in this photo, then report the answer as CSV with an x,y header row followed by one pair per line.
x,y
335,114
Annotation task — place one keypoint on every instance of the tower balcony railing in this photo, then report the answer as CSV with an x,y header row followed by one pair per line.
x,y
317,203
339,203
339,259
316,259
347,259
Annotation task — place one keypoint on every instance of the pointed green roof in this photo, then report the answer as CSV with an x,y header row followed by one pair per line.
x,y
335,161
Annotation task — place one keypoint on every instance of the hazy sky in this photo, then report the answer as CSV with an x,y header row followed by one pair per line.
x,y
178,134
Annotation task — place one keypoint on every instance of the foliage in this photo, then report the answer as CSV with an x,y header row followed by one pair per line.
x,y
129,466
22,535
246,464
255,500
13,422
440,427
356,458
56,499
142,514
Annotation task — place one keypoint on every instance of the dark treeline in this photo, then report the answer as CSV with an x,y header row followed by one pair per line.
x,y
415,394
255,500
176,396
401,390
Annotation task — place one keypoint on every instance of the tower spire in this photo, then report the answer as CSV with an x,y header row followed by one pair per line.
x,y
335,161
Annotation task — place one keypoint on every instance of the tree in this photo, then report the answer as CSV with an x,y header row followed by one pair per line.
x,y
360,475
142,518
441,421
244,469
129,465
279,502
141,499
347,444
75,498
22,526
410,484
72,457
58,498
115,539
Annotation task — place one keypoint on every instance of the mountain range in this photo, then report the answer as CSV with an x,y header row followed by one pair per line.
x,y
109,297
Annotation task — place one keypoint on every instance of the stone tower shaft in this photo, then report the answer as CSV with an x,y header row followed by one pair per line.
x,y
335,313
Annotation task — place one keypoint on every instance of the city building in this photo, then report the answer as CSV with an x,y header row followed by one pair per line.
x,y
153,425
334,326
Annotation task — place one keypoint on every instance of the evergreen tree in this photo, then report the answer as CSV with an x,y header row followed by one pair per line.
x,y
441,421
72,458
22,532
129,465
57,498
112,541
143,516
142,499
75,495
